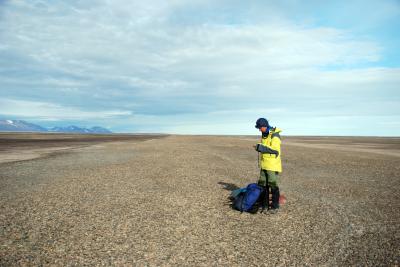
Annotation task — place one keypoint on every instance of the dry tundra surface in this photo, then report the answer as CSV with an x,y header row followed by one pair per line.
x,y
165,202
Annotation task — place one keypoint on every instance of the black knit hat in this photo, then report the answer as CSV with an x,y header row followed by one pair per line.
x,y
261,122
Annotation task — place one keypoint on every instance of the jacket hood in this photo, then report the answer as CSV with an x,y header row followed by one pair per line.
x,y
276,130
272,130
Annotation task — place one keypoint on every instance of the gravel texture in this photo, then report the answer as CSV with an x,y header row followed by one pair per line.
x,y
164,202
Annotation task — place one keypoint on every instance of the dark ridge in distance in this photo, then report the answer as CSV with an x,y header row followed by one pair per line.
x,y
45,140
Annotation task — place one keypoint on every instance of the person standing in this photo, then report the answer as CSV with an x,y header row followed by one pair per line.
x,y
270,163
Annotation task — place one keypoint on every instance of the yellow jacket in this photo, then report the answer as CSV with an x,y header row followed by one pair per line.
x,y
270,149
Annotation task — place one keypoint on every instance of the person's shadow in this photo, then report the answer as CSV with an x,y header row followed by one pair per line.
x,y
228,186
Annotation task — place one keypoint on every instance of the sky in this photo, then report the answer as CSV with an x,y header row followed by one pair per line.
x,y
203,67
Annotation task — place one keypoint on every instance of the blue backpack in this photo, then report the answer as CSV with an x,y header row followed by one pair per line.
x,y
246,197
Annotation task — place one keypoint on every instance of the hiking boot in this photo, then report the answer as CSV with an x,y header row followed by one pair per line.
x,y
275,197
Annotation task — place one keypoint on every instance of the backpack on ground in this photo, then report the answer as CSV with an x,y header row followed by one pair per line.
x,y
247,197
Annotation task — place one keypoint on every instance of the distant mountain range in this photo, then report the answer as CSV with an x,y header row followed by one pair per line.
x,y
23,126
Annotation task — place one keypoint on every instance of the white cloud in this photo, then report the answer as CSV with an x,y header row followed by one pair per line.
x,y
103,42
49,111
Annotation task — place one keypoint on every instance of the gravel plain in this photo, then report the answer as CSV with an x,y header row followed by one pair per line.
x,y
165,202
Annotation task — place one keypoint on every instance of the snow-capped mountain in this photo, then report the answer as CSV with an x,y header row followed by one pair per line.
x,y
23,126
98,129
75,129
20,126
68,129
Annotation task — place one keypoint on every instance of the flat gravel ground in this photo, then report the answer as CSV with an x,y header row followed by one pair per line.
x,y
164,202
